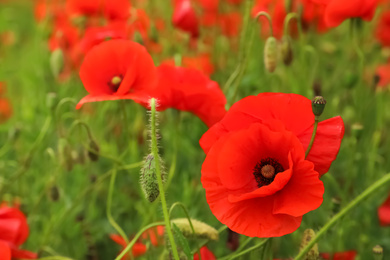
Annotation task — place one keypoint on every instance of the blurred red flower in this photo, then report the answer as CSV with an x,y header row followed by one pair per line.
x,y
256,156
5,110
190,90
383,72
13,233
155,235
117,69
111,9
384,212
201,62
337,11
205,254
347,255
184,18
383,29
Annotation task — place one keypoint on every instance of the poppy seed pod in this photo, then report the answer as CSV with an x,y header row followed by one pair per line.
x,y
270,54
148,178
318,105
286,50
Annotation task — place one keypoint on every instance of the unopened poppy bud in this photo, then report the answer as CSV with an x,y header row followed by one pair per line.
x,y
286,50
308,235
318,105
270,54
137,37
54,193
378,252
148,179
93,152
357,130
56,62
202,230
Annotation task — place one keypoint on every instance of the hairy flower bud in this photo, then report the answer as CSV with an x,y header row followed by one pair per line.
x,y
378,252
286,50
54,193
270,54
93,152
57,62
308,235
148,178
318,105
202,230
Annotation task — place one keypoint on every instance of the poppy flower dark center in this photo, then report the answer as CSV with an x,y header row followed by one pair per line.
x,y
115,83
266,170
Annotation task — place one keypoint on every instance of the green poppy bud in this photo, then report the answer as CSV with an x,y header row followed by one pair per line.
x,y
202,230
148,178
93,152
56,62
54,193
378,252
286,50
318,105
270,54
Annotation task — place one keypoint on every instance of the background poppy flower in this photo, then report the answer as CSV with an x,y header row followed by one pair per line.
x,y
292,111
190,90
137,250
258,183
384,212
337,11
117,69
383,29
184,18
347,255
383,72
14,232
205,254
5,110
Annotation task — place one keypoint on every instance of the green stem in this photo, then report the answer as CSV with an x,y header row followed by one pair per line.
x,y
108,209
236,255
263,13
134,240
312,136
287,20
223,228
359,52
81,123
370,190
159,179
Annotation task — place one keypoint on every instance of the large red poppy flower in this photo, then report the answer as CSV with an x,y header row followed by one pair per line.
x,y
190,90
338,11
294,112
184,18
347,255
384,212
255,174
13,233
205,254
117,69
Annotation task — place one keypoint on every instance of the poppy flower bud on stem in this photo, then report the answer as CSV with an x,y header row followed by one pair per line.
x,y
56,62
154,148
148,178
270,47
308,235
286,50
378,252
318,105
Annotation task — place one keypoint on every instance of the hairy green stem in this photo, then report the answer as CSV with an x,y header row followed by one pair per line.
x,y
159,179
134,240
370,190
316,120
108,209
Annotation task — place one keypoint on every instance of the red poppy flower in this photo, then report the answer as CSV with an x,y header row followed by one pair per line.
x,y
117,69
5,110
347,255
190,90
291,110
202,62
383,72
184,18
209,5
111,9
137,250
384,212
13,233
255,156
230,24
383,28
205,254
337,11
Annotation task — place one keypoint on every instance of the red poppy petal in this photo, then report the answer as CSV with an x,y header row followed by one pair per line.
x,y
5,251
138,97
118,239
326,144
14,225
23,254
302,193
384,212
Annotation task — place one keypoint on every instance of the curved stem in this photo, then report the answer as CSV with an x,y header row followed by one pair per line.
x,y
263,13
159,179
132,242
370,190
108,209
313,135
236,255
79,122
287,20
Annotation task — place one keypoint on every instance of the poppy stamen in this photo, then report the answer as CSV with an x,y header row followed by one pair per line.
x,y
115,83
266,170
